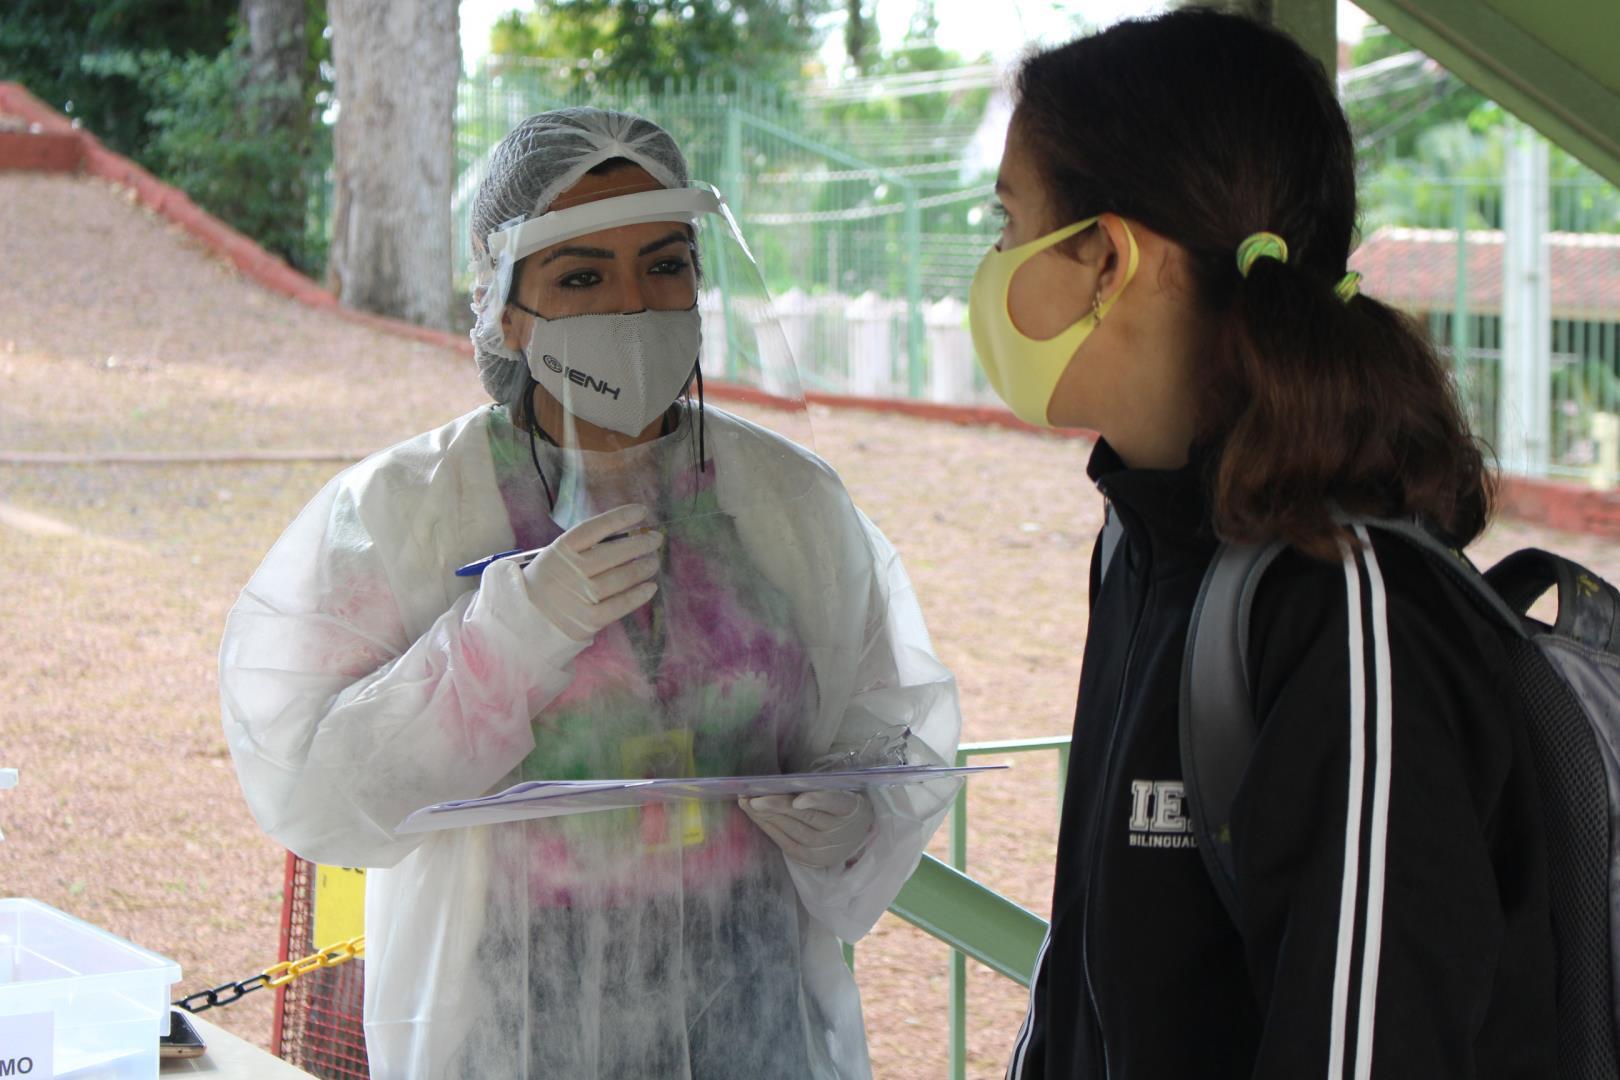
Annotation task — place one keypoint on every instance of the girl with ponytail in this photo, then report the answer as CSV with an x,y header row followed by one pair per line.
x,y
1180,208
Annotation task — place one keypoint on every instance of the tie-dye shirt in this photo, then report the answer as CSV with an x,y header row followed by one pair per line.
x,y
709,679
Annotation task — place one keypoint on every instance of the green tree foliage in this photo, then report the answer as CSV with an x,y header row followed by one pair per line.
x,y
940,105
1458,167
1390,111
168,84
52,47
933,121
1424,138
211,140
619,41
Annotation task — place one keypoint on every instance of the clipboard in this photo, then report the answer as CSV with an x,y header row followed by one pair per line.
x,y
553,798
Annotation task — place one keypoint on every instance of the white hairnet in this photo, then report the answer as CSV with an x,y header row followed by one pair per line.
x,y
538,160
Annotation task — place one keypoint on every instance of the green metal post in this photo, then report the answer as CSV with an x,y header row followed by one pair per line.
x,y
732,167
958,1016
731,172
959,822
958,987
1459,313
1314,24
911,253
1063,776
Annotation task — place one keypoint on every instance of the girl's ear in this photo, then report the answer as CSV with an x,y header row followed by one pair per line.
x,y
1115,255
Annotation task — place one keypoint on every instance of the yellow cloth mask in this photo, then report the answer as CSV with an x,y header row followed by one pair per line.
x,y
1022,370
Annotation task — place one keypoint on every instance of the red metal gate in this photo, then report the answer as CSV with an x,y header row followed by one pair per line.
x,y
318,1019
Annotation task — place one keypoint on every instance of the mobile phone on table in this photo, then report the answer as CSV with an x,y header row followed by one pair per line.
x,y
182,1041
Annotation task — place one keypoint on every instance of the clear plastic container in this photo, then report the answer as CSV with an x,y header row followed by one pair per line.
x,y
110,998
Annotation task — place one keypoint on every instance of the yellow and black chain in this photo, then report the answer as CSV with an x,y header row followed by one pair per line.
x,y
275,975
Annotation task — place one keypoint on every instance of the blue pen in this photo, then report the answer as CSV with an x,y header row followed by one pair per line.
x,y
477,567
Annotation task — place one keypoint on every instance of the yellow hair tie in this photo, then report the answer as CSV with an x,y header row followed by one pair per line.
x,y
1348,287
1262,245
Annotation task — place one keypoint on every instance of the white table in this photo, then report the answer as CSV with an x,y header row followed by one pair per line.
x,y
230,1058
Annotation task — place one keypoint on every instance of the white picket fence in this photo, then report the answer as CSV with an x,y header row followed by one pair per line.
x,y
858,346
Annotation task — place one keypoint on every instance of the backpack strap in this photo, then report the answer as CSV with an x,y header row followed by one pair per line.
x,y
1217,720
1217,713
1454,565
1588,606
1112,533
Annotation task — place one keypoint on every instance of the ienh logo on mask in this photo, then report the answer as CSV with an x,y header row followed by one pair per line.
x,y
579,378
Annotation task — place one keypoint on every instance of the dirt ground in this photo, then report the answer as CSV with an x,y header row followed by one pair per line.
x,y
116,332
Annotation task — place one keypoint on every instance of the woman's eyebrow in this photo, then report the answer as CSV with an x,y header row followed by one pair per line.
x,y
677,237
581,252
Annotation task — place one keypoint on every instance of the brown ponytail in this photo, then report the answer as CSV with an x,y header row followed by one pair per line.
x,y
1209,127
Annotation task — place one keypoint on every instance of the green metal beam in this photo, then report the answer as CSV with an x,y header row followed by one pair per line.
x,y
1550,63
1010,746
971,919
1312,23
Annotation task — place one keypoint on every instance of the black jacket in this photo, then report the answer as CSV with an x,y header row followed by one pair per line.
x,y
1430,945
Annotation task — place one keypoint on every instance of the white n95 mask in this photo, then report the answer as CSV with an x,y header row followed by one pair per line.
x,y
616,371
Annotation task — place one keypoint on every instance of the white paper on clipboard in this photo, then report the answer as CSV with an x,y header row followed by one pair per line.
x,y
552,798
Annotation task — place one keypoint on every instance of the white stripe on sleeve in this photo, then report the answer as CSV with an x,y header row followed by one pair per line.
x,y
1352,821
1383,748
1015,1069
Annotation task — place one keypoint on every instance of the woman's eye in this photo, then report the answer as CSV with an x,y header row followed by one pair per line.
x,y
580,279
672,265
999,212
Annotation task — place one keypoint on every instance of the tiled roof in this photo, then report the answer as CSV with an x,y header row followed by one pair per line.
x,y
1416,269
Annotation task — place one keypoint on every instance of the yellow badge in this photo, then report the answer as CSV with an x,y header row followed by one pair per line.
x,y
340,904
665,827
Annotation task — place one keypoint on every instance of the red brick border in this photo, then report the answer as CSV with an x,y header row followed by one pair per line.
x,y
1558,505
965,415
161,198
43,151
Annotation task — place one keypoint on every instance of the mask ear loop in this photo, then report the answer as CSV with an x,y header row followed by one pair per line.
x,y
703,456
532,422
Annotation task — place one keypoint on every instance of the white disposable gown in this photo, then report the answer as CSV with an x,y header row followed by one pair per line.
x,y
361,680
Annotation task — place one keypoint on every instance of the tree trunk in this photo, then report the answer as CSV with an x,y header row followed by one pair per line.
x,y
275,98
859,32
397,64
278,50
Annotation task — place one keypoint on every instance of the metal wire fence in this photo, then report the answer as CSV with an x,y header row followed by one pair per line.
x,y
868,220
867,232
1533,336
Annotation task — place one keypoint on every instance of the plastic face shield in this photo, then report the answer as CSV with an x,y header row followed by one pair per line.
x,y
631,298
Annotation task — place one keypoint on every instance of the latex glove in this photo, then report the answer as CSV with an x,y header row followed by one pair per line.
x,y
583,582
815,828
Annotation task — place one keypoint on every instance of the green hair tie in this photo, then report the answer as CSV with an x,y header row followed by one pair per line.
x,y
1348,287
1262,245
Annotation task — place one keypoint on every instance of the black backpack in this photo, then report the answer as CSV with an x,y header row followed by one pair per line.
x,y
1568,675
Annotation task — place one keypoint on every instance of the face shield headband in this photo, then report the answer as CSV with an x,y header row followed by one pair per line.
x,y
521,237
624,338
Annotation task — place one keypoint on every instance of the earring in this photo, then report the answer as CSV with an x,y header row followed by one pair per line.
x,y
1096,306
